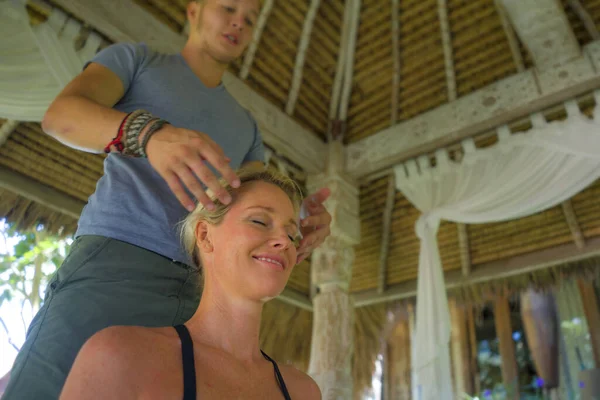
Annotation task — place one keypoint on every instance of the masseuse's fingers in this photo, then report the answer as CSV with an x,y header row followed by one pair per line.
x,y
180,156
316,227
311,242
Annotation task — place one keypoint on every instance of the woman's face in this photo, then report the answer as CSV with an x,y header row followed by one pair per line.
x,y
253,250
223,28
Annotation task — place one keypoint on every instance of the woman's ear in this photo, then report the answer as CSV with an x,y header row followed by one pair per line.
x,y
192,12
203,237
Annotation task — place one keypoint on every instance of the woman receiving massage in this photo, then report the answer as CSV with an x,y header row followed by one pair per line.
x,y
247,251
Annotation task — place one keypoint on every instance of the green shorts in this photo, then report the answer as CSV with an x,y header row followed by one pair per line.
x,y
102,282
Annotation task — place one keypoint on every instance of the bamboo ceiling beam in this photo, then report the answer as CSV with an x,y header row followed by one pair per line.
x,y
7,128
574,227
585,17
386,232
513,42
258,30
339,71
463,245
447,45
499,269
301,54
396,59
349,61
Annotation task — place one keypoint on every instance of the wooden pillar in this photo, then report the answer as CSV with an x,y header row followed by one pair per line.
x,y
461,351
510,372
398,366
592,315
474,350
333,310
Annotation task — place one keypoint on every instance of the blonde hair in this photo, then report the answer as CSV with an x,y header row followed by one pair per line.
x,y
215,217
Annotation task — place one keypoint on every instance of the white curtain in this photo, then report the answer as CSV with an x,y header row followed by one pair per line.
x,y
521,175
576,347
37,62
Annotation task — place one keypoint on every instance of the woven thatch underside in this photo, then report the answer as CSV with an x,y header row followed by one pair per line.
x,y
26,214
480,293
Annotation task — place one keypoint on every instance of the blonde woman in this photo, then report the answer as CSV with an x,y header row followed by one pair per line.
x,y
247,251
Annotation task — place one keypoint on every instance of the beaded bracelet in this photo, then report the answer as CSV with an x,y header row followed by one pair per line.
x,y
130,140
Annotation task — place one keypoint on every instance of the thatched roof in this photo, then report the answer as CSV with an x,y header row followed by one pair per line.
x,y
482,55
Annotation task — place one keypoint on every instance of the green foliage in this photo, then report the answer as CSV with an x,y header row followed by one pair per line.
x,y
27,262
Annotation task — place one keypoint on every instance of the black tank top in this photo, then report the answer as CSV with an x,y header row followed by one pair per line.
x,y
189,368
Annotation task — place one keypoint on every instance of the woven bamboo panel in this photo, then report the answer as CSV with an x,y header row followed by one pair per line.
x,y
320,66
278,47
366,264
422,76
479,44
495,241
171,13
587,210
36,155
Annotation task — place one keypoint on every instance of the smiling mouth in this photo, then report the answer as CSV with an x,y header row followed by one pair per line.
x,y
231,39
275,263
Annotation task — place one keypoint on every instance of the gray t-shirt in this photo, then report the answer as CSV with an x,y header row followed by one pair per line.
x,y
132,202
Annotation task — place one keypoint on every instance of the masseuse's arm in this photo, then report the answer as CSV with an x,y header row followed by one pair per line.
x,y
82,117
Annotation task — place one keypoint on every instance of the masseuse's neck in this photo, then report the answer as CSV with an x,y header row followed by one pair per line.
x,y
205,67
229,324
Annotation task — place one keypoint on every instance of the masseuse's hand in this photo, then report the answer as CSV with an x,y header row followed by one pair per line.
x,y
315,227
181,156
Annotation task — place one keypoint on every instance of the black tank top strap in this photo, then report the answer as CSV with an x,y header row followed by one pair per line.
x,y
278,377
189,368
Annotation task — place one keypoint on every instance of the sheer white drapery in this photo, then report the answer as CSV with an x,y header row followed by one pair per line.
x,y
37,62
521,175
575,338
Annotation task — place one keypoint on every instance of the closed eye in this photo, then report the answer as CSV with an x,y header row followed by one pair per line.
x,y
259,222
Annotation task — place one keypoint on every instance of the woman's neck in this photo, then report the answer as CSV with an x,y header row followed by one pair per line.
x,y
205,67
231,325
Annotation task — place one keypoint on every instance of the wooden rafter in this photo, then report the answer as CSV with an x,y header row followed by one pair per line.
x,y
396,59
258,30
513,42
386,231
349,61
571,218
301,54
463,244
7,128
447,45
585,17
341,61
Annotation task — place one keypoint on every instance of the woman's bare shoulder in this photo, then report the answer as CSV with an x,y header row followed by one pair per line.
x,y
300,384
104,363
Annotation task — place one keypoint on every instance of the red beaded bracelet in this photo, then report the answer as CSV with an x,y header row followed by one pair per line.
x,y
117,140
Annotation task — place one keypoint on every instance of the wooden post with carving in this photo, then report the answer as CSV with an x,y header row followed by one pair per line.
x,y
333,310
